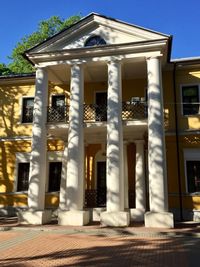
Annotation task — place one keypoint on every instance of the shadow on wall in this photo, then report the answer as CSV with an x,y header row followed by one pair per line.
x,y
10,127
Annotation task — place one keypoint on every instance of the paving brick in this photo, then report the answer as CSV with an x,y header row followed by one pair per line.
x,y
96,246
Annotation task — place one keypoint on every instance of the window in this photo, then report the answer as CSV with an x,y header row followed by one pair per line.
x,y
58,100
190,99
27,109
58,110
95,41
193,175
23,176
55,169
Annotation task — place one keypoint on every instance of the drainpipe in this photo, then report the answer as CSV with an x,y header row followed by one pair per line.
x,y
177,143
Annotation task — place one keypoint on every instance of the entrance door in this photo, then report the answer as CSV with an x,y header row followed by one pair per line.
x,y
101,106
101,184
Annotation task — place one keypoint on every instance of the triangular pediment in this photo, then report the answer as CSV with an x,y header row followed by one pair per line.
x,y
111,30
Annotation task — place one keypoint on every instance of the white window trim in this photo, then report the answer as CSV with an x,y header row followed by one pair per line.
x,y
190,154
52,156
181,96
20,158
21,109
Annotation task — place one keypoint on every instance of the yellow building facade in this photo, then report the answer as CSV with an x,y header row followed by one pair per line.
x,y
107,129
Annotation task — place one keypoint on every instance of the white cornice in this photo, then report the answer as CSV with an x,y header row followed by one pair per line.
x,y
101,51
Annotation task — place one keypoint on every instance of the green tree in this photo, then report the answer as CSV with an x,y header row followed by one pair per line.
x,y
4,70
46,29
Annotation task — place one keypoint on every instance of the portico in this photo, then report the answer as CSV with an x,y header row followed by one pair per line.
x,y
113,63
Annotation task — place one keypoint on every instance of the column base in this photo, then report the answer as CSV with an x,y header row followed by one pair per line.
x,y
35,217
159,219
115,219
137,215
74,218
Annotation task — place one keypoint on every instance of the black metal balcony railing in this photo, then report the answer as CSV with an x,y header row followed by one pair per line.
x,y
97,198
134,110
96,113
58,114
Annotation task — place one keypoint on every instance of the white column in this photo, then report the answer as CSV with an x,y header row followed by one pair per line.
x,y
38,168
75,161
126,192
140,193
115,215
63,182
156,149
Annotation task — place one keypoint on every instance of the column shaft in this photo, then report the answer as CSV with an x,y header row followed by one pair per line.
x,y
63,182
75,163
126,185
140,193
115,175
37,180
156,139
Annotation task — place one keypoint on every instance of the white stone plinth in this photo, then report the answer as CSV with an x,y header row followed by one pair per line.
x,y
34,217
159,219
96,214
115,219
137,215
74,218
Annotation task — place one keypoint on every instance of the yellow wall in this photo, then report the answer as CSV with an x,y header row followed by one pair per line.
x,y
10,112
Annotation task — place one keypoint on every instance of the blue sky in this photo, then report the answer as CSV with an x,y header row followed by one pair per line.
x,y
179,18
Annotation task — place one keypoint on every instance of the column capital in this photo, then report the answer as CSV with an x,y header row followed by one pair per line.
x,y
114,61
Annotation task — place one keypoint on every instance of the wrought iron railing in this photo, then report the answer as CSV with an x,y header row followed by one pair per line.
x,y
94,112
98,113
95,198
134,110
58,114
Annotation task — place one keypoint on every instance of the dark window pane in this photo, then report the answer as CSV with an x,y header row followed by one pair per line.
x,y
27,112
95,41
190,98
193,176
23,176
58,100
55,169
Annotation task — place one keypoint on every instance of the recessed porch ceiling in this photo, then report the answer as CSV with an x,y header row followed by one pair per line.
x,y
97,71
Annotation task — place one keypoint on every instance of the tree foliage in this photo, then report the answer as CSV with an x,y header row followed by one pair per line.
x,y
46,29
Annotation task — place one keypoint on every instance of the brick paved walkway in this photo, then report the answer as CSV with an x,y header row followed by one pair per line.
x,y
94,246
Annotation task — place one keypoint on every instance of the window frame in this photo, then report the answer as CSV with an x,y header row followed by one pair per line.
x,y
181,95
20,158
53,156
57,95
93,36
49,163
22,107
190,154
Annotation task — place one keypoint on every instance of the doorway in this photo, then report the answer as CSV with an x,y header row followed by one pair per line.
x,y
101,183
101,106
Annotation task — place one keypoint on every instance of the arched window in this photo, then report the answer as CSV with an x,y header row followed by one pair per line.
x,y
95,40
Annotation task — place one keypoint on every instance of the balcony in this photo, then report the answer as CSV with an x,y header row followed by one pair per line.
x,y
58,114
134,110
